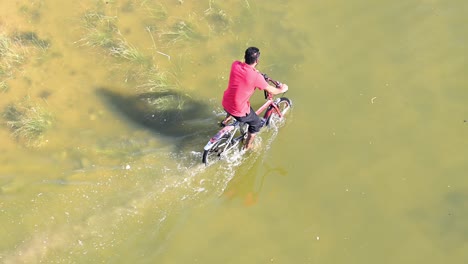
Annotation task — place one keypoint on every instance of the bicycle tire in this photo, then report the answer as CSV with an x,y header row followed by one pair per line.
x,y
216,150
273,118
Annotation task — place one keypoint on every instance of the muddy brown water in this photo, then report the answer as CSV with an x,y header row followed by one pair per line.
x,y
370,166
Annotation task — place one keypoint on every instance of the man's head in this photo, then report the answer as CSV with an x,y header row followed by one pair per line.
x,y
251,55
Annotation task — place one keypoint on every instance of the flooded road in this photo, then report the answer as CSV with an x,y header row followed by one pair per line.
x,y
369,167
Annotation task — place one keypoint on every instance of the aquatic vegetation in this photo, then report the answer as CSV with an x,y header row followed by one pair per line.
x,y
32,13
31,39
102,32
3,86
122,49
217,18
11,54
179,31
28,121
156,81
167,102
126,7
99,38
157,12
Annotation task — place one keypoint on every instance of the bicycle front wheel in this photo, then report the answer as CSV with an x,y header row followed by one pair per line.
x,y
273,117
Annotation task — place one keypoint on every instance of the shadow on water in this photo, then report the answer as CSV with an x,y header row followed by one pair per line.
x,y
170,114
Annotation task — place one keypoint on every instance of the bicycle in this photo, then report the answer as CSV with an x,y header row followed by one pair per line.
x,y
234,131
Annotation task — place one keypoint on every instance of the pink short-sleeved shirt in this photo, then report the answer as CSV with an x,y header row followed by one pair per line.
x,y
242,83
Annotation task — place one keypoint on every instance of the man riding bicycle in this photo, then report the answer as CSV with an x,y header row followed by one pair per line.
x,y
243,80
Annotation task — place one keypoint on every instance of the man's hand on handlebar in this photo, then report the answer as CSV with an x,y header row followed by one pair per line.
x,y
273,90
278,88
283,87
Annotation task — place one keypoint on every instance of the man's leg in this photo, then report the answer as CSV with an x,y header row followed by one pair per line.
x,y
255,123
249,140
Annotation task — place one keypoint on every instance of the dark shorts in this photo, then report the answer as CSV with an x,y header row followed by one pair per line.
x,y
255,123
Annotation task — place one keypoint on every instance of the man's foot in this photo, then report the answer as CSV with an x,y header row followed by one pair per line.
x,y
248,144
253,148
246,148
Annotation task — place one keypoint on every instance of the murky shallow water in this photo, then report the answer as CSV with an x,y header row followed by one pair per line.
x,y
370,166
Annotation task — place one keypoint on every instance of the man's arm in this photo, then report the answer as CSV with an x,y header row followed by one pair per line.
x,y
273,90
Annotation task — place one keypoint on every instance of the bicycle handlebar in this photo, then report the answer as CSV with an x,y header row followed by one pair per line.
x,y
268,79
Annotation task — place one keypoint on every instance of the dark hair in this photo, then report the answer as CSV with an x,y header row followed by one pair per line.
x,y
251,55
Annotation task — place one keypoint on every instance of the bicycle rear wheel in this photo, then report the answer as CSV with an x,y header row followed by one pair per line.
x,y
221,148
273,117
214,153
223,145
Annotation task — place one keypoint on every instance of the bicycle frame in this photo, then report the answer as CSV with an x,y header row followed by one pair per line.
x,y
234,126
228,137
266,105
